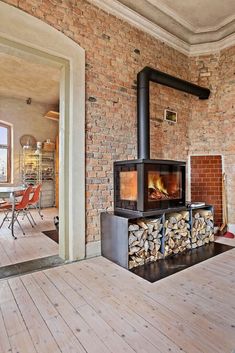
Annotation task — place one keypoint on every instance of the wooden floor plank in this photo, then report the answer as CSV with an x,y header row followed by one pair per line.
x,y
108,335
4,340
18,335
194,329
95,306
150,333
34,244
191,309
39,332
63,335
198,291
22,343
126,330
138,305
4,258
90,341
12,318
226,241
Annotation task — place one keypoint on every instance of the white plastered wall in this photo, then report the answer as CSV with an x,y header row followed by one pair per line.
x,y
25,34
26,119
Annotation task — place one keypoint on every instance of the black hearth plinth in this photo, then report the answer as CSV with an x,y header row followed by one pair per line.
x,y
155,271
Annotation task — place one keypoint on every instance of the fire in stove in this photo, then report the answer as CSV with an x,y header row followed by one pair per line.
x,y
147,185
163,186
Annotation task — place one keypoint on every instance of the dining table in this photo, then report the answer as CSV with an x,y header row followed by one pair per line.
x,y
10,192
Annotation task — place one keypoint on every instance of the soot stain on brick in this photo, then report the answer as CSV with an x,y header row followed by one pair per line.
x,y
137,51
92,99
88,66
106,36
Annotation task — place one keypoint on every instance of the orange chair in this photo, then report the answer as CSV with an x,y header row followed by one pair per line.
x,y
4,207
20,207
35,202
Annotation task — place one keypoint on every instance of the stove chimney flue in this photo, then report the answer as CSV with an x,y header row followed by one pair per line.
x,y
143,119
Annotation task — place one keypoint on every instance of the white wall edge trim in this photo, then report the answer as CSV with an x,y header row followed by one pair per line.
x,y
93,249
29,34
121,11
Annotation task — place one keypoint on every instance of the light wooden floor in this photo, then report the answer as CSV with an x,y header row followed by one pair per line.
x,y
95,306
32,245
226,241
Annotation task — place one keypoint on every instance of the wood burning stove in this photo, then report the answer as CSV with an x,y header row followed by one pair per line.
x,y
146,191
144,186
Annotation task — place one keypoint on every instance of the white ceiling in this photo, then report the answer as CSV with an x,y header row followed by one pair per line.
x,y
22,78
191,26
199,15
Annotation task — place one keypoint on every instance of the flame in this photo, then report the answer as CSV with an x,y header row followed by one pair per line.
x,y
156,183
160,186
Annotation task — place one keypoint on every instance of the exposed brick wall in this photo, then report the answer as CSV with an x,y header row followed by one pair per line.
x,y
206,182
115,53
168,140
211,130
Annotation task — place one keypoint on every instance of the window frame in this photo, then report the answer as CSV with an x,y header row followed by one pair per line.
x,y
8,147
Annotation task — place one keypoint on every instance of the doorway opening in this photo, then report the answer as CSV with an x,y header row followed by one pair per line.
x,y
46,46
29,158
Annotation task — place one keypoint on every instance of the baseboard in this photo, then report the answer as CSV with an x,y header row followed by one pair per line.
x,y
93,249
231,228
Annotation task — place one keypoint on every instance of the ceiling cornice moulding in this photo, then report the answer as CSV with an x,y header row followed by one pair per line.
x,y
203,29
164,8
210,48
119,10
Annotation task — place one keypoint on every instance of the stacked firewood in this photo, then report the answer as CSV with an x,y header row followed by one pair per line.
x,y
145,237
202,228
177,233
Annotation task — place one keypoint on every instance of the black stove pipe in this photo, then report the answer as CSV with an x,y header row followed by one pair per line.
x,y
143,78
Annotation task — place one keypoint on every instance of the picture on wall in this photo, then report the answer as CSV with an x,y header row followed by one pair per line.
x,y
170,115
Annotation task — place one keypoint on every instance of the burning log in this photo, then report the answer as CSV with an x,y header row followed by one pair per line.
x,y
145,239
162,187
202,228
177,233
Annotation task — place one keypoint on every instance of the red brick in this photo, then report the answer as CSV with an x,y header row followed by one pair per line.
x,y
206,185
111,71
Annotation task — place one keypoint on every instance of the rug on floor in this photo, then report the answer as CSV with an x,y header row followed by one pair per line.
x,y
52,234
155,271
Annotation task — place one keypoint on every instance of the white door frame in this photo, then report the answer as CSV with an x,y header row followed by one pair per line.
x,y
26,35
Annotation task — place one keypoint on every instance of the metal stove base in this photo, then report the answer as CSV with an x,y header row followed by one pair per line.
x,y
155,271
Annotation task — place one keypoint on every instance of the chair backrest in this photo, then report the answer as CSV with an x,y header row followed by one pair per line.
x,y
25,199
36,194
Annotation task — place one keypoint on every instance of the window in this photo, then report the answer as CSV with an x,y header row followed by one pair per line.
x,y
5,153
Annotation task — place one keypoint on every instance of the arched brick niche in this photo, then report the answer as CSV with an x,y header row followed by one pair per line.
x,y
206,182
